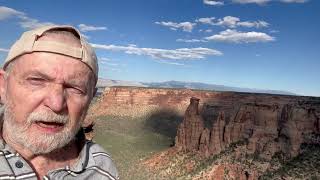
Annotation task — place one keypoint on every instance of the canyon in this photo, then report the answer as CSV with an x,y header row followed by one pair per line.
x,y
252,124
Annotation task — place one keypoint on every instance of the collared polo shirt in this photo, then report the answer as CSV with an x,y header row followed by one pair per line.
x,y
93,163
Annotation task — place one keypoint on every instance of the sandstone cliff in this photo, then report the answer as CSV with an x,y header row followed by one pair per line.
x,y
266,128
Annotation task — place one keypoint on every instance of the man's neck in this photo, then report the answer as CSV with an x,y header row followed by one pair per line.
x,y
43,163
66,156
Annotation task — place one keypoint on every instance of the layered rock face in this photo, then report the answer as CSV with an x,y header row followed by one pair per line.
x,y
267,128
136,100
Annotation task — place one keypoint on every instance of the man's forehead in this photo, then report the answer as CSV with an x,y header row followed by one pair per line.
x,y
53,65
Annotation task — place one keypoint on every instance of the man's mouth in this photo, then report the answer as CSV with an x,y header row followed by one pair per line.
x,y
50,126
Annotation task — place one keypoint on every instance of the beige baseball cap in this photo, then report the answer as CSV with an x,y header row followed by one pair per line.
x,y
28,43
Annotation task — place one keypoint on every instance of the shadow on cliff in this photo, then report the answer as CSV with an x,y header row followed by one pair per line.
x,y
164,122
210,110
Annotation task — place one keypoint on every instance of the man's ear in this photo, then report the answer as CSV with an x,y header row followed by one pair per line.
x,y
3,84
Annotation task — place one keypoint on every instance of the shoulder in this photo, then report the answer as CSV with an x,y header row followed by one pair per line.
x,y
102,160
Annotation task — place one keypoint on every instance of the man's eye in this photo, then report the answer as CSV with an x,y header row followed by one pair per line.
x,y
75,90
36,80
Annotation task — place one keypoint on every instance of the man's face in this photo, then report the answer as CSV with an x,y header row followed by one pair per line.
x,y
46,97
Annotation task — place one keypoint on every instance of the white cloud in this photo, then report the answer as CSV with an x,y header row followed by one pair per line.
x,y
208,20
4,50
208,31
257,24
233,36
86,28
30,23
6,13
85,36
175,54
228,21
294,1
213,2
251,1
27,22
274,31
105,59
185,26
110,64
24,21
190,40
261,2
170,63
233,22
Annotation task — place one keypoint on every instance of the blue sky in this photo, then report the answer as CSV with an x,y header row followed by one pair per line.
x,y
263,44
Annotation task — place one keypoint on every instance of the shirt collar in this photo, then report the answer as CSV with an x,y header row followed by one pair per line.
x,y
85,159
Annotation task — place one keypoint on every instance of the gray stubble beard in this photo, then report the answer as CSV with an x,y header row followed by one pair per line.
x,y
43,143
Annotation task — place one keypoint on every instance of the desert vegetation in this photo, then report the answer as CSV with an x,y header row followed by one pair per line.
x,y
130,140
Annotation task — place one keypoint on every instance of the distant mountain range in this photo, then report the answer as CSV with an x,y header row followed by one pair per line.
x,y
102,83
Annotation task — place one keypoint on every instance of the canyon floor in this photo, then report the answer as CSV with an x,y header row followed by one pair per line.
x,y
130,141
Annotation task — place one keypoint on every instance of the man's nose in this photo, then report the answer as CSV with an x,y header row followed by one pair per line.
x,y
56,98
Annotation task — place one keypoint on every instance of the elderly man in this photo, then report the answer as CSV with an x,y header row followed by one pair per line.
x,y
46,86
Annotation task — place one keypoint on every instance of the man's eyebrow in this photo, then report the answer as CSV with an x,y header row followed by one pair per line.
x,y
73,80
38,73
76,80
77,83
77,75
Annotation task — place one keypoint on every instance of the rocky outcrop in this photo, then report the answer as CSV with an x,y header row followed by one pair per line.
x,y
217,138
266,128
190,130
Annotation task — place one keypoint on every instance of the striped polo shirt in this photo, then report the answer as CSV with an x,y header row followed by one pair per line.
x,y
93,163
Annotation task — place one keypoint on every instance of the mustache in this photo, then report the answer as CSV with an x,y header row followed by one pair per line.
x,y
49,117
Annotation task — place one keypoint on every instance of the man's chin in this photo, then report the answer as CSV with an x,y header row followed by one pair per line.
x,y
47,145
44,149
44,140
